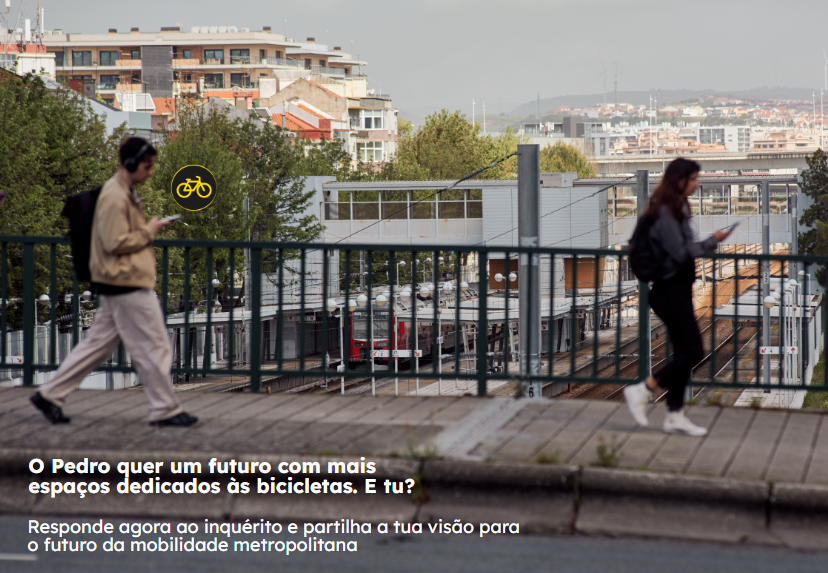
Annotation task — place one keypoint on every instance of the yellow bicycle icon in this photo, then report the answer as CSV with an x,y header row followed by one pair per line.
x,y
188,189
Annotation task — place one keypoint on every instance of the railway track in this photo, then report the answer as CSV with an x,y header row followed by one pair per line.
x,y
629,370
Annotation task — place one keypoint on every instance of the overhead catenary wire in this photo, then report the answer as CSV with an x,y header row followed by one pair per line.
x,y
615,184
450,187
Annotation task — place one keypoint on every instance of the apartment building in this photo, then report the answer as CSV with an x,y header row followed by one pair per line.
x,y
171,61
735,138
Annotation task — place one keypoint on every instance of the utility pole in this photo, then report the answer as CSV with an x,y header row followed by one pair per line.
x,y
766,279
645,366
529,290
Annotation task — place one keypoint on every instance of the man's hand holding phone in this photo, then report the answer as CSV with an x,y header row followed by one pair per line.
x,y
161,223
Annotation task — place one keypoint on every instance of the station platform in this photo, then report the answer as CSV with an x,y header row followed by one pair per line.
x,y
554,465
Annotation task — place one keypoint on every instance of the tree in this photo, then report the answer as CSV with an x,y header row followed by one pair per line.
x,y
815,185
249,159
52,145
447,146
565,158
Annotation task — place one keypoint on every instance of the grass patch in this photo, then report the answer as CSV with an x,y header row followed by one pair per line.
x,y
715,400
815,399
607,454
756,402
548,457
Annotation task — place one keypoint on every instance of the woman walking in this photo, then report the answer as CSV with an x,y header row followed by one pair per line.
x,y
671,296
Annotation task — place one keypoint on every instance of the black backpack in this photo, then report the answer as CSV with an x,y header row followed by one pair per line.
x,y
80,210
643,260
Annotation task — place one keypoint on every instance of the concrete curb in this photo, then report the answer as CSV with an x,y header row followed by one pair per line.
x,y
550,498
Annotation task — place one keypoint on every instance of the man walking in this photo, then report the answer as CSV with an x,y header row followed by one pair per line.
x,y
122,264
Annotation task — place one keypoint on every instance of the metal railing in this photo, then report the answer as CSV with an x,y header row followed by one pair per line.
x,y
470,322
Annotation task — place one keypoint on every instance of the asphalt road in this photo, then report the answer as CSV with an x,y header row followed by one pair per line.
x,y
415,553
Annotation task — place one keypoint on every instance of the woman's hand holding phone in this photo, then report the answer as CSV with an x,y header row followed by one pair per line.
x,y
723,234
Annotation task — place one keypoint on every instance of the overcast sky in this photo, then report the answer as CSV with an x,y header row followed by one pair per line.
x,y
430,54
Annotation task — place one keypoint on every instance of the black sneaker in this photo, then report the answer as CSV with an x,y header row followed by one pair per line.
x,y
183,420
53,412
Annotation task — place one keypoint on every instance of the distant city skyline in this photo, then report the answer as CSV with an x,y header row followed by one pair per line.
x,y
430,55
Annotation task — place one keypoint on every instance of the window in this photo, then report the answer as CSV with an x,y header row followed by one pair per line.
x,y
373,119
308,63
135,54
240,80
109,81
263,56
372,151
59,59
216,55
81,58
186,54
239,56
278,53
108,58
322,63
214,80
136,78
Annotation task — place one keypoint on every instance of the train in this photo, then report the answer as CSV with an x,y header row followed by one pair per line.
x,y
386,342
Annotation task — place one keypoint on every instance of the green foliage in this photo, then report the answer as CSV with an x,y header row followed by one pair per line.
x,y
52,145
815,185
548,457
564,158
328,157
815,399
607,454
249,159
447,146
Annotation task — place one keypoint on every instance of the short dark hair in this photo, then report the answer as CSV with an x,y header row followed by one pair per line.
x,y
131,148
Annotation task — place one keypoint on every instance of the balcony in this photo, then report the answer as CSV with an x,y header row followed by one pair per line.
x,y
328,70
129,87
128,63
180,62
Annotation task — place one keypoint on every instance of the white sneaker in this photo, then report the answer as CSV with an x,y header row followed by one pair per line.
x,y
678,423
638,396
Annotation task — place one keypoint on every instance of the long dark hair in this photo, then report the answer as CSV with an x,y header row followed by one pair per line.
x,y
670,191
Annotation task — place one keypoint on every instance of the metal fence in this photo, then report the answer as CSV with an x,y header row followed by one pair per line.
x,y
462,321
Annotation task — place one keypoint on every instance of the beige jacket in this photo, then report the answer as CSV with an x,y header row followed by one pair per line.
x,y
122,252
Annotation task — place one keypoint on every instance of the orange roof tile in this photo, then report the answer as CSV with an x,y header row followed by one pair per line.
x,y
164,105
293,123
230,94
324,88
310,111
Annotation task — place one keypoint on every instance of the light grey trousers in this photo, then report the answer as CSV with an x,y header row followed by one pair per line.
x,y
136,319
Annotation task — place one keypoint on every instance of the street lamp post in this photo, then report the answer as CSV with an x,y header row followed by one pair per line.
x,y
404,296
332,306
400,264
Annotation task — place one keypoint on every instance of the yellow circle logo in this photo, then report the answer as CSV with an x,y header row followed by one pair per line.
x,y
193,187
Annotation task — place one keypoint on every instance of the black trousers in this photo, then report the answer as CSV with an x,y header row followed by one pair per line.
x,y
672,301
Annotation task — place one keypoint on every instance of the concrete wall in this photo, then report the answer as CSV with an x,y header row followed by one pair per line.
x,y
317,97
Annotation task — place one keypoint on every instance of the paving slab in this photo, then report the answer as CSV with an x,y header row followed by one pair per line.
x,y
541,431
678,451
752,458
790,459
723,439
818,466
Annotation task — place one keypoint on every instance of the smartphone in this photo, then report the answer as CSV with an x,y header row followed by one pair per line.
x,y
731,227
171,218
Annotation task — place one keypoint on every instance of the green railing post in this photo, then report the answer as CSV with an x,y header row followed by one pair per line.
x,y
255,319
483,323
643,330
29,314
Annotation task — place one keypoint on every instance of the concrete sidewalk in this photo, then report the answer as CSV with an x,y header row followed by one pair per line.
x,y
759,476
